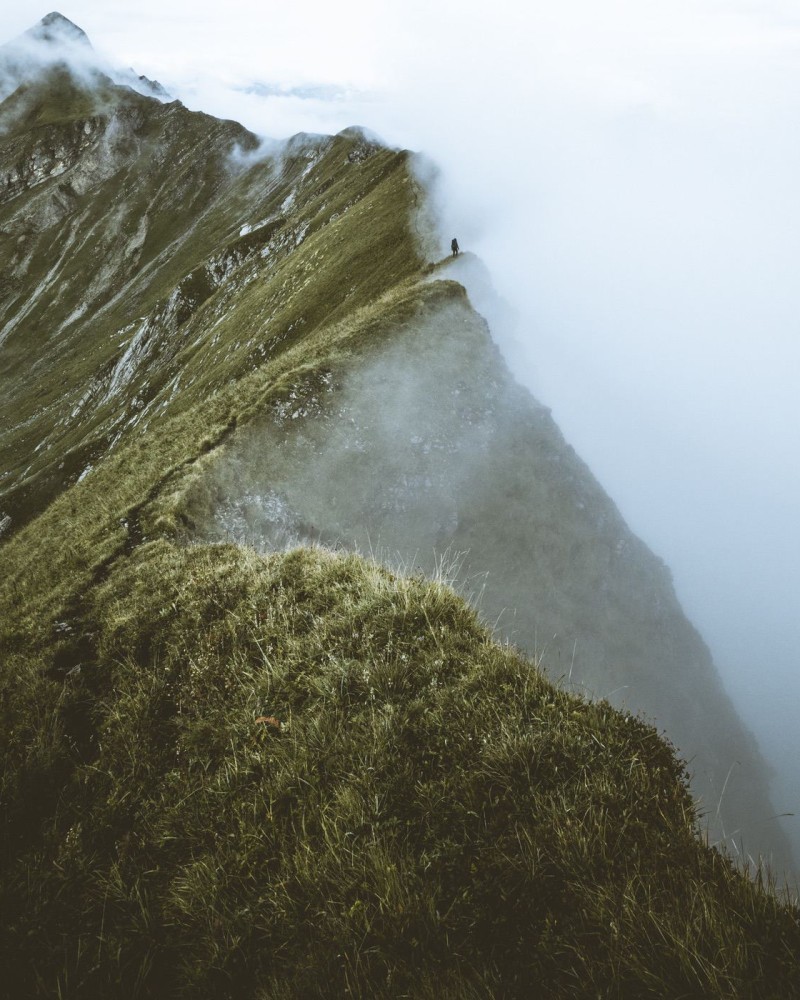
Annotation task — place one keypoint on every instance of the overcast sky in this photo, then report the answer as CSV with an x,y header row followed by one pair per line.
x,y
628,170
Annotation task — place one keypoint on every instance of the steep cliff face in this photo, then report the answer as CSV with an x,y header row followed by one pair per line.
x,y
206,339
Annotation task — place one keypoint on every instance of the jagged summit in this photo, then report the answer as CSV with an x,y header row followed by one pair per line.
x,y
55,41
54,28
52,43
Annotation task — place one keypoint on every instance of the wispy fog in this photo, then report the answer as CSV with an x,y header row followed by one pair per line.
x,y
628,172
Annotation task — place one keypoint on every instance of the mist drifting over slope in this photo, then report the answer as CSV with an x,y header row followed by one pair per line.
x,y
628,174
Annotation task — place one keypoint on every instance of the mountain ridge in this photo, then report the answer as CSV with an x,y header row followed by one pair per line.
x,y
159,303
207,340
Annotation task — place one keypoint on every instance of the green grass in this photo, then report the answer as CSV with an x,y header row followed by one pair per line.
x,y
433,818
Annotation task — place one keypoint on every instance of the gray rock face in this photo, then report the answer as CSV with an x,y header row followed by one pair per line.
x,y
51,156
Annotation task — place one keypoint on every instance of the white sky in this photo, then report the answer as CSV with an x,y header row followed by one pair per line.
x,y
628,170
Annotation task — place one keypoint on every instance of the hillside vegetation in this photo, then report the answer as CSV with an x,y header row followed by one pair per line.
x,y
303,775
299,773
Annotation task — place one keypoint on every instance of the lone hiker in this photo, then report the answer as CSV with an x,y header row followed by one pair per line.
x,y
454,246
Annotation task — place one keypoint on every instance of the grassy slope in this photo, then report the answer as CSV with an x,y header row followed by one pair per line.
x,y
427,446
433,818
436,818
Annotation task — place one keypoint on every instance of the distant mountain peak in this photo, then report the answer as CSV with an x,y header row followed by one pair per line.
x,y
55,28
55,41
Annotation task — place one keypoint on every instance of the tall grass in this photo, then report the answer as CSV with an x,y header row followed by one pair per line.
x,y
423,814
